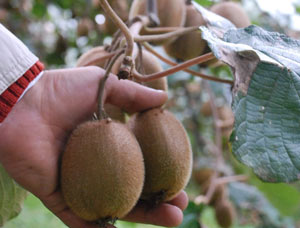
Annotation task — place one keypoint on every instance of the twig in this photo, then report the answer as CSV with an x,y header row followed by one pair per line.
x,y
195,73
120,24
101,112
218,181
229,179
166,36
145,78
160,30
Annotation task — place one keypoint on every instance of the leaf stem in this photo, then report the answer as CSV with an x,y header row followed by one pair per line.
x,y
195,73
101,114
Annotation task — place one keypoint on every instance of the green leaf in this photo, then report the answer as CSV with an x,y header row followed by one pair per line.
x,y
266,102
11,197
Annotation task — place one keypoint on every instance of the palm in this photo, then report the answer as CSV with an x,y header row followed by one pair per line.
x,y
33,136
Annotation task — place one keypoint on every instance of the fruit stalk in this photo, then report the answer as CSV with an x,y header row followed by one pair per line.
x,y
100,112
152,12
195,73
166,36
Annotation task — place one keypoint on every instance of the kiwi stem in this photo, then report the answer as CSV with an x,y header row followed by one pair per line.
x,y
229,179
146,78
120,24
101,114
160,30
166,36
195,73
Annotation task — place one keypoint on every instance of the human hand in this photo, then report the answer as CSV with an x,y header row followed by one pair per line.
x,y
33,136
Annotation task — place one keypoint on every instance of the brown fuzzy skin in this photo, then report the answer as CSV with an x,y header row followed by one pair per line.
x,y
167,154
102,170
189,45
89,57
115,113
202,175
225,213
233,12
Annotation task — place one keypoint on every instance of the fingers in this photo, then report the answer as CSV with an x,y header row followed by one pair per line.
x,y
163,215
181,201
133,97
57,205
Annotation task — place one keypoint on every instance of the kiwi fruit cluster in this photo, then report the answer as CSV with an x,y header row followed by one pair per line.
x,y
191,45
224,209
108,166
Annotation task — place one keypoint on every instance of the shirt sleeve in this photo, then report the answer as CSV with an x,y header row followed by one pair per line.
x,y
18,68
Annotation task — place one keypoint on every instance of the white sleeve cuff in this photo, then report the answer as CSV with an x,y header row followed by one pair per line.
x,y
15,58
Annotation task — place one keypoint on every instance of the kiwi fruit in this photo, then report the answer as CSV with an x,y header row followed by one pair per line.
x,y
102,171
233,12
225,213
202,175
167,154
171,13
190,45
151,65
84,26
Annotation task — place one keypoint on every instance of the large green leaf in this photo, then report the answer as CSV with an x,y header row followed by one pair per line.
x,y
11,197
266,96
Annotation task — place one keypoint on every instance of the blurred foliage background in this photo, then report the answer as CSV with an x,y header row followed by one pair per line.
x,y
59,31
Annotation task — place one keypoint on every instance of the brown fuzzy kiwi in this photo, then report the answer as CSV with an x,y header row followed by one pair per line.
x,y
171,13
151,65
102,171
92,57
233,12
189,45
225,213
202,175
167,154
